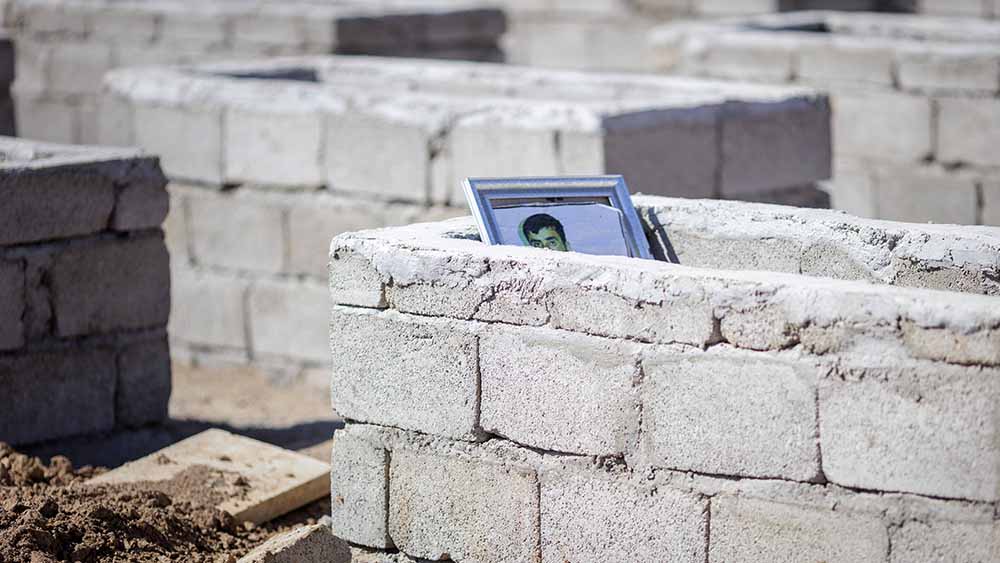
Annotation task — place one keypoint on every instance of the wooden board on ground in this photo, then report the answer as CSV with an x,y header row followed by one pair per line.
x,y
271,481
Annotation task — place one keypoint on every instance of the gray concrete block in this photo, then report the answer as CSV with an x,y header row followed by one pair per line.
x,y
408,372
956,69
588,518
78,68
745,529
289,319
143,385
45,120
743,56
731,413
142,202
969,131
188,140
236,231
922,428
314,220
54,203
990,212
111,285
208,309
115,122
464,510
559,391
355,281
921,194
846,59
941,542
359,489
775,145
887,127
12,305
57,394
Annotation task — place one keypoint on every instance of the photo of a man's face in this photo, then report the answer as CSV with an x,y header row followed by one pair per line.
x,y
590,228
544,231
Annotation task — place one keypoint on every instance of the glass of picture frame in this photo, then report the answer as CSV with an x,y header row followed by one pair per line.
x,y
587,214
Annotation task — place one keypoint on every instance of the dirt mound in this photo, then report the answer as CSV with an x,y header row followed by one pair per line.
x,y
48,513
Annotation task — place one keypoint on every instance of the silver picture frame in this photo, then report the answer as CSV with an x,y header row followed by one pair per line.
x,y
486,194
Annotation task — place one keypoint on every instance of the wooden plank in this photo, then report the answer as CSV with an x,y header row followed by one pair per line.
x,y
275,481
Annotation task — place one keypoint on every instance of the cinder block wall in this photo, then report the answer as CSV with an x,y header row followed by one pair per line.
x,y
510,404
916,101
265,172
84,291
66,46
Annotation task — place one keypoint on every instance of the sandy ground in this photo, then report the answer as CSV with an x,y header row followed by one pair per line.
x,y
240,400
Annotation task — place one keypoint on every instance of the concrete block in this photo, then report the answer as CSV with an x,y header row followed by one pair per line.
x,y
236,231
203,27
943,541
12,305
208,309
144,386
51,19
876,126
926,428
683,141
354,281
115,122
175,227
404,142
125,24
313,221
359,489
969,131
731,414
111,285
745,529
588,518
464,510
846,59
775,145
32,67
949,70
974,8
289,319
270,28
55,203
78,68
853,190
559,391
188,140
990,214
273,149
742,56
593,311
408,372
44,120
921,195
482,147
313,542
76,386
142,202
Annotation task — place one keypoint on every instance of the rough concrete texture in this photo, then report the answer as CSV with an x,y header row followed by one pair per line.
x,y
308,544
84,290
558,391
908,95
405,372
437,120
67,47
359,489
731,235
492,509
596,518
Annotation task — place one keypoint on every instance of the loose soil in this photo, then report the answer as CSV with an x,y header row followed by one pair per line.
x,y
48,513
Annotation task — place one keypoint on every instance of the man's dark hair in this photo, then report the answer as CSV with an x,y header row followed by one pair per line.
x,y
539,221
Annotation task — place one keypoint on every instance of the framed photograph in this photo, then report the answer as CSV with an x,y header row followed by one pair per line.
x,y
592,214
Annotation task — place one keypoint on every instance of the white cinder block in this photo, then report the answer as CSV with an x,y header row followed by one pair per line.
x,y
239,232
464,510
991,202
941,541
359,489
207,309
969,131
32,67
188,140
731,414
949,69
115,126
78,68
888,127
927,429
408,372
758,531
742,56
921,195
590,518
846,59
289,320
559,391
44,120
273,149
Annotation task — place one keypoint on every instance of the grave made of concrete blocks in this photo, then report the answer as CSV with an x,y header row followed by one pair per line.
x,y
515,404
357,143
916,101
84,291
66,46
